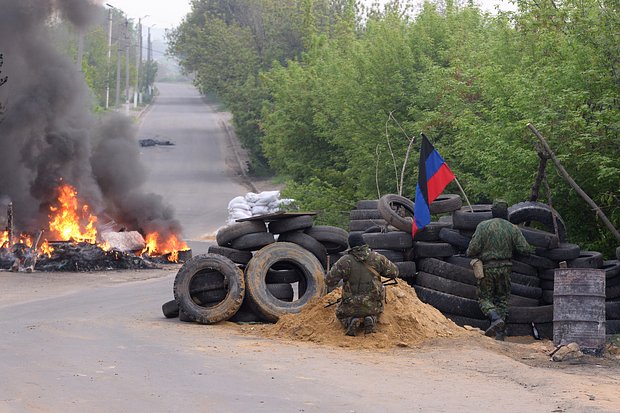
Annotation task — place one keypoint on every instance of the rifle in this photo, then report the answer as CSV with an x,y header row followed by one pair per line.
x,y
389,281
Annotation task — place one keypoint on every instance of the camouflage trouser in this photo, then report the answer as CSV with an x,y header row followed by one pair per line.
x,y
494,290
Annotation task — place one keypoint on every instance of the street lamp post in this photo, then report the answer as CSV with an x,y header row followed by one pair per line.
x,y
107,91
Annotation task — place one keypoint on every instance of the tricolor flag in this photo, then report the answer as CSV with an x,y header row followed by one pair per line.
x,y
433,177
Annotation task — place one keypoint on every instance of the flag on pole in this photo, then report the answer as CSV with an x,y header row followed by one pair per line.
x,y
434,175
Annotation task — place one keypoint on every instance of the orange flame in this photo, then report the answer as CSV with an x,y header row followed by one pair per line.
x,y
25,239
4,239
65,221
172,246
46,249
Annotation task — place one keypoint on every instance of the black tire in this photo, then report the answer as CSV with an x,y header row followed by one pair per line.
x,y
612,327
612,310
464,218
525,291
406,269
466,321
445,203
213,313
432,249
364,224
236,256
445,285
365,214
538,212
612,268
537,261
281,291
454,238
618,253
547,285
540,238
547,296
226,235
242,316
287,275
183,316
563,252
612,292
394,256
524,279
526,315
430,233
307,242
545,330
209,297
301,222
587,259
518,301
448,270
367,204
397,211
523,268
547,275
397,240
253,242
170,309
333,238
451,304
263,302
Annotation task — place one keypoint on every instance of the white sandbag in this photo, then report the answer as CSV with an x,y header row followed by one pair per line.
x,y
267,197
251,197
260,210
238,203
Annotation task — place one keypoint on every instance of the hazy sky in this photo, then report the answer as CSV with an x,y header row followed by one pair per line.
x,y
165,14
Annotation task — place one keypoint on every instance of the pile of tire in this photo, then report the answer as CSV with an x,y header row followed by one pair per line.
x,y
258,271
443,277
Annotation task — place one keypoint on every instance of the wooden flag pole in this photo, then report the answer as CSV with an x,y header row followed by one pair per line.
x,y
464,194
572,183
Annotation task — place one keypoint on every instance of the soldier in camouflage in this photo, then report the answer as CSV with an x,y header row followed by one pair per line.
x,y
363,293
494,243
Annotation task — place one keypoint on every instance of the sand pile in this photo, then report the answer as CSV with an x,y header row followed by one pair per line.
x,y
406,321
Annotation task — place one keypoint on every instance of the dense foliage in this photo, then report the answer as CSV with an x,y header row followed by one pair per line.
x,y
329,95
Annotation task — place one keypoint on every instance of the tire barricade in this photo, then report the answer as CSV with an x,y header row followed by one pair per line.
x,y
443,277
258,271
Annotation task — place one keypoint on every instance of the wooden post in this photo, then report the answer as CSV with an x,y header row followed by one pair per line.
x,y
542,164
9,223
572,183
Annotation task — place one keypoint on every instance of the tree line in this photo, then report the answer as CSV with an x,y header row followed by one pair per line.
x,y
328,94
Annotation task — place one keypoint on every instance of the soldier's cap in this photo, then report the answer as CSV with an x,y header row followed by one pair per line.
x,y
499,209
500,203
356,239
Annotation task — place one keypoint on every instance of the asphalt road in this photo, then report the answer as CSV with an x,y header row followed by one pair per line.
x,y
196,175
97,342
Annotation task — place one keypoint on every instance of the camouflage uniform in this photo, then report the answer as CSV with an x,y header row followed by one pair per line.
x,y
493,243
363,293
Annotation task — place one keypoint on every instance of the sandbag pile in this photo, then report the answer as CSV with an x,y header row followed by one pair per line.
x,y
443,277
259,271
252,204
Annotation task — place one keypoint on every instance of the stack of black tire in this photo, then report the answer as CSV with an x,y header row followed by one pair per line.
x,y
280,264
444,278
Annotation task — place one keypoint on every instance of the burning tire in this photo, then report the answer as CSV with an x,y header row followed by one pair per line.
x,y
218,268
262,300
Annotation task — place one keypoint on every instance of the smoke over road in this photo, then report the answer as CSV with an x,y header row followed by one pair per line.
x,y
48,134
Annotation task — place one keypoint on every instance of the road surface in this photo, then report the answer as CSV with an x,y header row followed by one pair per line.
x,y
98,343
197,175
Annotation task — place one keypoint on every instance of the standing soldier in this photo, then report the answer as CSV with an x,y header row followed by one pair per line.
x,y
493,243
363,293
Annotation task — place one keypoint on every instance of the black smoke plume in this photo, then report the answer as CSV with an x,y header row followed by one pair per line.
x,y
48,134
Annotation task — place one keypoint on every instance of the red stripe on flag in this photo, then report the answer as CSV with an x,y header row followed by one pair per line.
x,y
437,183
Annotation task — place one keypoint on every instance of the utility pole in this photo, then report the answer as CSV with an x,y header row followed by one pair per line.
x,y
117,96
107,91
80,53
138,61
149,57
127,44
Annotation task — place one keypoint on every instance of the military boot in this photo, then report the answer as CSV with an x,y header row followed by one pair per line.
x,y
500,335
370,324
354,324
497,324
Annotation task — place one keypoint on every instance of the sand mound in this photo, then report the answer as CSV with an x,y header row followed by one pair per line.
x,y
406,321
